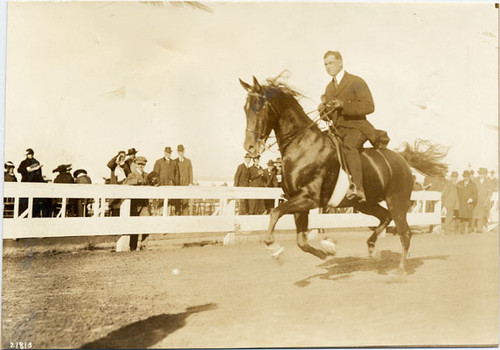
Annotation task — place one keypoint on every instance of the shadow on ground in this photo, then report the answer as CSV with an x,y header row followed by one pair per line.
x,y
343,268
146,333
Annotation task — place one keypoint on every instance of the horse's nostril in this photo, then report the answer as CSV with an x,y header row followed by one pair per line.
x,y
250,148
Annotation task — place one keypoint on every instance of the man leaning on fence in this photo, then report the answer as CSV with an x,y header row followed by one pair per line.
x,y
138,207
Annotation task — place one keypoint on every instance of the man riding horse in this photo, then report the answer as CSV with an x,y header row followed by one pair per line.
x,y
346,102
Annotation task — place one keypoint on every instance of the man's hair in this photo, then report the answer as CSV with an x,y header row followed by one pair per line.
x,y
336,54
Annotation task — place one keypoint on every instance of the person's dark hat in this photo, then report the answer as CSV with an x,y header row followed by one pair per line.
x,y
248,155
180,148
256,157
62,168
79,171
9,164
483,171
29,151
141,160
168,149
270,162
278,160
152,178
454,174
131,151
466,173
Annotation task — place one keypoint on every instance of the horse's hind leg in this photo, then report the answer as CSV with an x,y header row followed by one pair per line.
x,y
404,233
380,213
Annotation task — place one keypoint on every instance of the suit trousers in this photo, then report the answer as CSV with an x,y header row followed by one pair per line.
x,y
353,143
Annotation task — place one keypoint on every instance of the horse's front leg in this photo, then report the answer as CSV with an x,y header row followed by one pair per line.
x,y
302,221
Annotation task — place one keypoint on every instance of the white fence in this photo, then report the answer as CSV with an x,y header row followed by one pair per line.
x,y
23,225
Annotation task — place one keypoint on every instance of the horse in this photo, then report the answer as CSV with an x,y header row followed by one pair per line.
x,y
311,167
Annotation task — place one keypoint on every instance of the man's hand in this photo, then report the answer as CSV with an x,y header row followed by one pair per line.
x,y
335,103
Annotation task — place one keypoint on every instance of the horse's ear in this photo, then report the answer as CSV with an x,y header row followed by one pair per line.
x,y
246,86
256,85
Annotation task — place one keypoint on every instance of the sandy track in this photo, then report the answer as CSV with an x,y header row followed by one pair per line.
x,y
237,296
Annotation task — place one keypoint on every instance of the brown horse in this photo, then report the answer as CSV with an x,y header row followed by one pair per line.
x,y
311,167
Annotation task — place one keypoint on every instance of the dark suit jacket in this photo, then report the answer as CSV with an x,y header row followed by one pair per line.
x,y
256,179
168,172
185,171
357,103
242,176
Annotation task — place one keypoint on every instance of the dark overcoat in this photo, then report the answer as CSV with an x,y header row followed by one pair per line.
x,y
466,192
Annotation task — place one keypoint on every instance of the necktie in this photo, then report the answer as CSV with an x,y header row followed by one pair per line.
x,y
335,83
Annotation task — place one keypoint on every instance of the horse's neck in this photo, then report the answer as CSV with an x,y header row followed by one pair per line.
x,y
292,121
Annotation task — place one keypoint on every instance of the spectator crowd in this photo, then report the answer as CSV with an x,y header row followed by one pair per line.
x,y
466,202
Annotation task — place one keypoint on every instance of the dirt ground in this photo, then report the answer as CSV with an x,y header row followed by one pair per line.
x,y
237,296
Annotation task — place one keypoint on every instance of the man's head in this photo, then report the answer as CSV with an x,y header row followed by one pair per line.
x,y
168,152
454,177
248,158
333,62
141,162
180,151
256,160
483,172
9,167
131,153
270,164
466,175
29,153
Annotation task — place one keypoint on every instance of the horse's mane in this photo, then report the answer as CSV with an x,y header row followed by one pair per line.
x,y
278,83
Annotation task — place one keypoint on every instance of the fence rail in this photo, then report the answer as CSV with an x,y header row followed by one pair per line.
x,y
225,218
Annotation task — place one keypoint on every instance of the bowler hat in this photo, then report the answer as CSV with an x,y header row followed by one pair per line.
x,y
131,151
270,162
30,151
79,171
9,164
140,160
483,171
454,174
168,149
466,173
180,148
248,155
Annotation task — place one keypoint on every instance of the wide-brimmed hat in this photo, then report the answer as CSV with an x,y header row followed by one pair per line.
x,y
79,172
131,151
483,171
180,148
247,155
256,157
62,168
141,160
9,164
168,149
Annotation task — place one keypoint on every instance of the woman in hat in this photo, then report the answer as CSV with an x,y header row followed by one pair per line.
x,y
257,179
8,175
467,199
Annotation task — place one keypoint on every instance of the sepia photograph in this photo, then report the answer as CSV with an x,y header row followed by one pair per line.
x,y
259,174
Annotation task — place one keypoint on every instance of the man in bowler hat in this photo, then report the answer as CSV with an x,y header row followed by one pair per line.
x,y
242,179
185,178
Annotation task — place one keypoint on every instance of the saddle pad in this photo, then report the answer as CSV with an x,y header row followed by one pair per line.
x,y
340,190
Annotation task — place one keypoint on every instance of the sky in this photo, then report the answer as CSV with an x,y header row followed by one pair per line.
x,y
87,79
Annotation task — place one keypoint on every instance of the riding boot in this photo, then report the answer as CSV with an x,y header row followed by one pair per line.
x,y
354,163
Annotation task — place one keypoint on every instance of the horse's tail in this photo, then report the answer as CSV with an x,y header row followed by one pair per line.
x,y
426,157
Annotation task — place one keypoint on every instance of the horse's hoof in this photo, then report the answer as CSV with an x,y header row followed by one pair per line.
x,y
328,246
276,250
